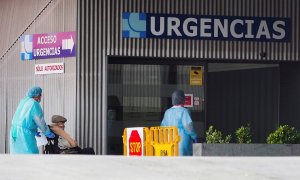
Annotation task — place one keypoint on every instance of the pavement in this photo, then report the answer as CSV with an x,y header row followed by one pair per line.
x,y
86,167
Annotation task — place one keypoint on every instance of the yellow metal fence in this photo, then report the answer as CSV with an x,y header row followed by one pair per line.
x,y
158,141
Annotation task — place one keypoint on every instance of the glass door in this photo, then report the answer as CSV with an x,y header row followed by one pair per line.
x,y
139,94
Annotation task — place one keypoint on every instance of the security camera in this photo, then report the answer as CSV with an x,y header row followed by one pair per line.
x,y
263,54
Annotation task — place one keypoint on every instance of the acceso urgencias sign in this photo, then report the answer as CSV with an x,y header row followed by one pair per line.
x,y
45,46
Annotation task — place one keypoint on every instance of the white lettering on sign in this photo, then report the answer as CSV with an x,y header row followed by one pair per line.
x,y
50,39
227,28
53,68
190,28
46,51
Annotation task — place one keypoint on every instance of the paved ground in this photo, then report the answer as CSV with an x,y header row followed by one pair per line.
x,y
73,167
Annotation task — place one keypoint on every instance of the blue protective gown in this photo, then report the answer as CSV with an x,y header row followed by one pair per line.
x,y
180,117
27,118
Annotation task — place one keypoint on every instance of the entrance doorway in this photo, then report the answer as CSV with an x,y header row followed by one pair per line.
x,y
139,92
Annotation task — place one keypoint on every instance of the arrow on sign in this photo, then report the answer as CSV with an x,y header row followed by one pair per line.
x,y
68,44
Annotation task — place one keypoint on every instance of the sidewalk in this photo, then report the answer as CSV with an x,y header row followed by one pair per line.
x,y
81,167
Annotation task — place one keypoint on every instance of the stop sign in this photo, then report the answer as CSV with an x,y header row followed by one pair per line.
x,y
135,142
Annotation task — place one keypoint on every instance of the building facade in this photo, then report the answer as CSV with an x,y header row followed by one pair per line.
x,y
132,54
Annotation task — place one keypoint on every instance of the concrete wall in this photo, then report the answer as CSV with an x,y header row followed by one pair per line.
x,y
15,16
203,149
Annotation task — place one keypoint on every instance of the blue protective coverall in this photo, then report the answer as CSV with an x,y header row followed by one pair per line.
x,y
27,118
180,117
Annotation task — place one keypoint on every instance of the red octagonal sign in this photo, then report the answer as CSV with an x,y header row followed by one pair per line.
x,y
135,144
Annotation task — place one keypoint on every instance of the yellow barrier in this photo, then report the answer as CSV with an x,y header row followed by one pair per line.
x,y
158,141
163,141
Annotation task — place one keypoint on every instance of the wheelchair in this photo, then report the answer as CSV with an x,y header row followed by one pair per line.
x,y
52,148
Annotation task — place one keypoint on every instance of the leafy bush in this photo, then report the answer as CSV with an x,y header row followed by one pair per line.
x,y
284,135
243,135
215,136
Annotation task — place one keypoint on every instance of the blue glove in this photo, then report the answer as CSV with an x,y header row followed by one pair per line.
x,y
38,134
50,135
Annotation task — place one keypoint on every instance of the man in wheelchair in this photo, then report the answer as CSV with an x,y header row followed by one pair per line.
x,y
62,143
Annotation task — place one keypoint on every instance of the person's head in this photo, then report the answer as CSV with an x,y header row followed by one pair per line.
x,y
35,92
178,97
59,121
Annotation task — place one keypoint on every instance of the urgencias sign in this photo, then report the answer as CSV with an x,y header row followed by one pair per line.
x,y
150,25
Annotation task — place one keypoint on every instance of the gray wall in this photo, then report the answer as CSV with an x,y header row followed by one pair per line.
x,y
99,36
236,98
289,94
16,76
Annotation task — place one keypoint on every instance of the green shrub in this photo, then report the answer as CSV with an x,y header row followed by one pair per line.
x,y
243,135
284,135
215,136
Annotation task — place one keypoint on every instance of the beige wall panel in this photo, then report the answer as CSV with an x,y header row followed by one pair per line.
x,y
20,76
70,69
69,91
15,16
3,119
58,89
69,13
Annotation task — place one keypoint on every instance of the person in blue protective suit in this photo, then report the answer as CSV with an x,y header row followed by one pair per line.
x,y
180,117
27,119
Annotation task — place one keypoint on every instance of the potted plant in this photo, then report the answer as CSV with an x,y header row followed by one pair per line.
x,y
243,135
215,136
284,135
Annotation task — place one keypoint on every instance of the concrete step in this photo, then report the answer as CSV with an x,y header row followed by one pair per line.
x,y
86,167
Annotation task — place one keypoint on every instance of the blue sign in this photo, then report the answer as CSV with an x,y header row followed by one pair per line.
x,y
228,28
26,47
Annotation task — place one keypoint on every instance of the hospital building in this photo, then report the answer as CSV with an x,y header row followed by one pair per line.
x,y
107,65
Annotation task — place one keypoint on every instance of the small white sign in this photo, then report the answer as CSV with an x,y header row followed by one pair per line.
x,y
42,140
135,141
196,103
53,68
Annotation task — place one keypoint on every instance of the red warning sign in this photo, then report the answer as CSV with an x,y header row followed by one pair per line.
x,y
188,102
135,144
